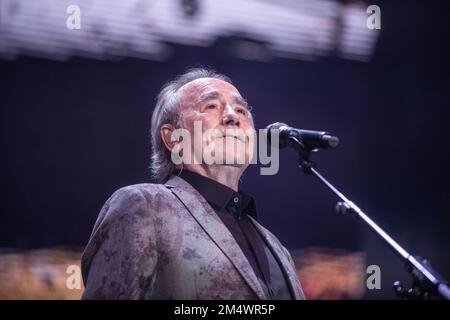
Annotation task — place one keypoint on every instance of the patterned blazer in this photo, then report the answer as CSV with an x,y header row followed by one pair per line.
x,y
155,241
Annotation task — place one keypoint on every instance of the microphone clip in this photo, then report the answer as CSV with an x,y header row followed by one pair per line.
x,y
305,152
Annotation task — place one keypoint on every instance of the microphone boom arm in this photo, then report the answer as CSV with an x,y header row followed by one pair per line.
x,y
426,281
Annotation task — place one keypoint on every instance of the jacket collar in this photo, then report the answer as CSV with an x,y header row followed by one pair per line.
x,y
219,196
217,231
213,226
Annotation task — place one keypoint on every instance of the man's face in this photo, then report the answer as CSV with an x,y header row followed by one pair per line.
x,y
224,117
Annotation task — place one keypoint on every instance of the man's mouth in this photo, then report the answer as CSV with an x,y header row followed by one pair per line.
x,y
241,136
233,135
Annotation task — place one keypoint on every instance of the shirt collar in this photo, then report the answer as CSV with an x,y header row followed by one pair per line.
x,y
219,196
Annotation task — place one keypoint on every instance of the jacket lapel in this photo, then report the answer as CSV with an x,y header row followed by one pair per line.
x,y
283,261
213,226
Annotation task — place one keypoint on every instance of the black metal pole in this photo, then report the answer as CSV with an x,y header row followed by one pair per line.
x,y
425,278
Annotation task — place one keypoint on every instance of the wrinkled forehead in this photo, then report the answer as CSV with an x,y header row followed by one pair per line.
x,y
194,91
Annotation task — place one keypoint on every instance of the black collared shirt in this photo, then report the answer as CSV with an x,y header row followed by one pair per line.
x,y
233,208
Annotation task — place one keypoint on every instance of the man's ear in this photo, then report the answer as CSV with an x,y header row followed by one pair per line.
x,y
166,134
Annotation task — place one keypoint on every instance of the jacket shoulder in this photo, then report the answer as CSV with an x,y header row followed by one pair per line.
x,y
141,188
128,200
145,191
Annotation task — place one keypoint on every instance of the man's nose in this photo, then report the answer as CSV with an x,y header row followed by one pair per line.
x,y
230,116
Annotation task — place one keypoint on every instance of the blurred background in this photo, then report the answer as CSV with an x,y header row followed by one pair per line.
x,y
77,96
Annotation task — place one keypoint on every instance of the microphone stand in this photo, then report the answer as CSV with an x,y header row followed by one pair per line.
x,y
425,282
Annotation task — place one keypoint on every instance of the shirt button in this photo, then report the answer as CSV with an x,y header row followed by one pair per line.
x,y
236,199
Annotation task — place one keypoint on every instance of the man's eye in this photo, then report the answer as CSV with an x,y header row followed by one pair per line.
x,y
242,111
211,106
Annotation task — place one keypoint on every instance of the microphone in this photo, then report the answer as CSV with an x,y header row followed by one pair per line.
x,y
298,138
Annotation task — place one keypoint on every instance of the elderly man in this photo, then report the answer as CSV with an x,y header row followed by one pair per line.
x,y
194,234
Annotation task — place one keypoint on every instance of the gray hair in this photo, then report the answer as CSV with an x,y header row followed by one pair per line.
x,y
167,112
